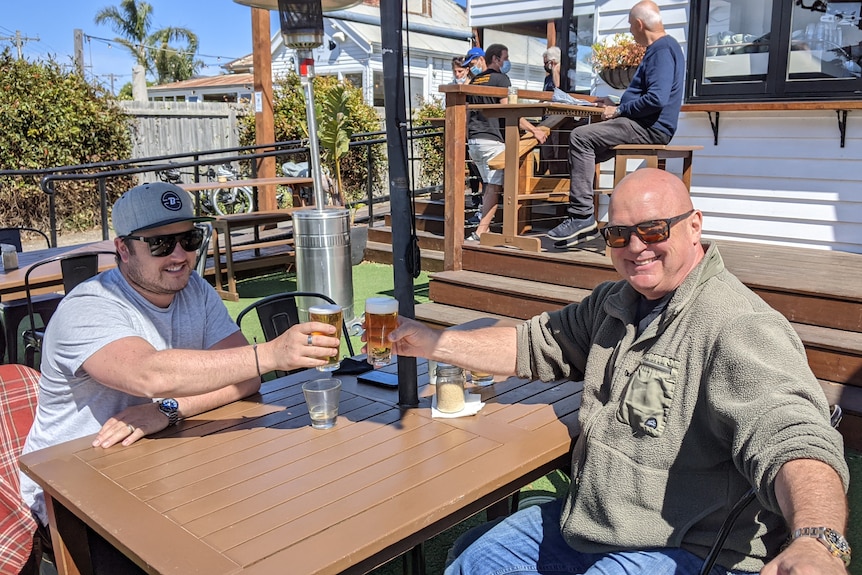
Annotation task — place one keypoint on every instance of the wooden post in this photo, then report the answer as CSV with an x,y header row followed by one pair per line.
x,y
264,127
455,138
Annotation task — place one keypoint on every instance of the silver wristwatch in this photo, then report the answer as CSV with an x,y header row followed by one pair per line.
x,y
834,542
170,408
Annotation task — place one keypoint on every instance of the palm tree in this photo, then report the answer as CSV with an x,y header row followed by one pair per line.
x,y
332,120
173,64
132,20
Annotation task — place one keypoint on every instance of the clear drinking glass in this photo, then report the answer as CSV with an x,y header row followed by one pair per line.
x,y
332,315
322,396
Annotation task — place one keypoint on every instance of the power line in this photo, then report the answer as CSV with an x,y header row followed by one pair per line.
x,y
19,41
110,42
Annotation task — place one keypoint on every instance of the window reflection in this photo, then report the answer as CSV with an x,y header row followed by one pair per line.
x,y
825,41
737,41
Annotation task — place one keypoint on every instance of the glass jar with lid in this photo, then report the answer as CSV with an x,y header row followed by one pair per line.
x,y
450,388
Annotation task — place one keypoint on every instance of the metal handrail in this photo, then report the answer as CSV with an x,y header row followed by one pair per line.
x,y
119,168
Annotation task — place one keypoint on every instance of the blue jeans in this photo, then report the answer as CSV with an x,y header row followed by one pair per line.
x,y
530,542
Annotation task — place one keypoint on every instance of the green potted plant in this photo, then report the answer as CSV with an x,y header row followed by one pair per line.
x,y
615,59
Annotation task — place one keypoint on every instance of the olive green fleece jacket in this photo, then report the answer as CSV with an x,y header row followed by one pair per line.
x,y
713,397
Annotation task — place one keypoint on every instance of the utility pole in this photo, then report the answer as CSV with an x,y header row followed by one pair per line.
x,y
79,51
19,41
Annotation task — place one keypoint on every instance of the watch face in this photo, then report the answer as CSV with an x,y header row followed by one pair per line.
x,y
170,404
837,540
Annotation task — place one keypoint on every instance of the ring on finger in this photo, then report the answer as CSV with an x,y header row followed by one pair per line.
x,y
131,427
309,340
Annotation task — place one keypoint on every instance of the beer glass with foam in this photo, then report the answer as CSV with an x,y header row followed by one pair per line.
x,y
332,315
381,318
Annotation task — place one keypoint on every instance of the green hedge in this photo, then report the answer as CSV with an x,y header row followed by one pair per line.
x,y
54,118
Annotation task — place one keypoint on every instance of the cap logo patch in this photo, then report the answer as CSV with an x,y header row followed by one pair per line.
x,y
171,201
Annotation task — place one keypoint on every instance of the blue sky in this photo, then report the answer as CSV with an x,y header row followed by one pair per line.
x,y
223,28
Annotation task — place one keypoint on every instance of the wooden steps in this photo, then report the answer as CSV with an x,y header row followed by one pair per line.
x,y
819,292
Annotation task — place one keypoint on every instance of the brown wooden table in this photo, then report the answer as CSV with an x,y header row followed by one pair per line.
x,y
224,225
48,277
252,488
511,114
251,182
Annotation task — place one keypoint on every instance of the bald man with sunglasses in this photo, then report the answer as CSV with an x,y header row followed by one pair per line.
x,y
141,346
694,391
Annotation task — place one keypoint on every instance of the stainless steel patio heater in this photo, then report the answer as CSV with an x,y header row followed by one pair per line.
x,y
321,235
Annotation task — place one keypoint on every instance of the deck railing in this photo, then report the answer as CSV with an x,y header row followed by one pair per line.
x,y
102,172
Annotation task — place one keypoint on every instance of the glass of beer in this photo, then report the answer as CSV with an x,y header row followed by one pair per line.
x,y
381,318
331,314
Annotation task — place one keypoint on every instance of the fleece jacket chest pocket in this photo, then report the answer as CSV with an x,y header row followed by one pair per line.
x,y
648,395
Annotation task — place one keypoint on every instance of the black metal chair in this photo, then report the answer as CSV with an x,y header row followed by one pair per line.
x,y
277,313
75,268
12,236
13,312
835,416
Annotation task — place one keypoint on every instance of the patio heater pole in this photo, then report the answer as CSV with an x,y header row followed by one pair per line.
x,y
302,29
306,74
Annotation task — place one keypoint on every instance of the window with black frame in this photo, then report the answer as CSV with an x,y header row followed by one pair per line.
x,y
758,50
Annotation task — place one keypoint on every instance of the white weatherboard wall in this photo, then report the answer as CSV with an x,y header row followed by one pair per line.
x,y
777,177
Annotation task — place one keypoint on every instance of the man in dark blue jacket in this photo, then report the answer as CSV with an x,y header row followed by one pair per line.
x,y
647,114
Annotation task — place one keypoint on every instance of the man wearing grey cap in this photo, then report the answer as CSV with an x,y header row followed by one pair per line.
x,y
141,346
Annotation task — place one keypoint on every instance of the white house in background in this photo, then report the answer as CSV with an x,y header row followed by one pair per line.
x,y
777,176
435,31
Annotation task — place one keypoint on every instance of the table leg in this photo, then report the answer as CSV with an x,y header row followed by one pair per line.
x,y
510,236
69,539
222,228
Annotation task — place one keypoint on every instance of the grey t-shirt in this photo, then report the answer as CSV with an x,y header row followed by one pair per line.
x,y
96,313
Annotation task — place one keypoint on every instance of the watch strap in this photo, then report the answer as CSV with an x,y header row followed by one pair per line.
x,y
834,542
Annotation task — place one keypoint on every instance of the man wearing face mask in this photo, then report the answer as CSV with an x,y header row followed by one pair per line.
x,y
551,58
484,137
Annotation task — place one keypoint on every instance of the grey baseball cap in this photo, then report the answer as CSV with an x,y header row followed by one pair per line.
x,y
153,205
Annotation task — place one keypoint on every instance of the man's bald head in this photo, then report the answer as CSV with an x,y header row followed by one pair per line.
x,y
646,204
647,12
658,188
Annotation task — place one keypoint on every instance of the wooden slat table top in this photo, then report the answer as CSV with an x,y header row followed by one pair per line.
x,y
12,282
284,181
250,219
251,487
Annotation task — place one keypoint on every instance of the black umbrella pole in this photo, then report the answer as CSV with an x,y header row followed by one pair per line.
x,y
399,191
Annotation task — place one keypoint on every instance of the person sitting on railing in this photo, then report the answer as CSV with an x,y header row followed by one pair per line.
x,y
150,328
647,114
694,390
484,137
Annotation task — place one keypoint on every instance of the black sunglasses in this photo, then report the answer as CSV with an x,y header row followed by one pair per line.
x,y
651,232
162,246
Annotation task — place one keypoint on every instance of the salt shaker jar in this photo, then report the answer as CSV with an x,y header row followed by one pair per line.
x,y
450,388
513,95
10,257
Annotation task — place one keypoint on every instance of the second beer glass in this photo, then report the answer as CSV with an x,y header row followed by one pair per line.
x,y
381,318
331,314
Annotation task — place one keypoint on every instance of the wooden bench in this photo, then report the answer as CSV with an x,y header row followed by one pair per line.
x,y
655,156
267,253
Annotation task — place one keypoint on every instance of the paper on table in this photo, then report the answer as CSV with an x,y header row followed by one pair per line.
x,y
564,98
472,404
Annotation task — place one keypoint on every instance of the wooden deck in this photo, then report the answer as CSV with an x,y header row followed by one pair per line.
x,y
820,292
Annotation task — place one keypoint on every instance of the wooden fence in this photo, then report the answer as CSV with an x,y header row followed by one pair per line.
x,y
162,128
